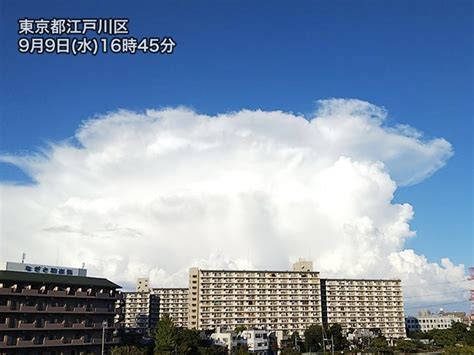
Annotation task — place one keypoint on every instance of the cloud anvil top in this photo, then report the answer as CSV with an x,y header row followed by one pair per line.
x,y
185,188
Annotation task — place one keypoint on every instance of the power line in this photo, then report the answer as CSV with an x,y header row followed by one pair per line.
x,y
437,283
436,305
437,294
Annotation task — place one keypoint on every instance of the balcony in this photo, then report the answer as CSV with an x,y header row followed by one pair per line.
x,y
25,342
26,308
48,325
5,309
29,292
81,309
78,325
57,293
53,342
23,325
55,309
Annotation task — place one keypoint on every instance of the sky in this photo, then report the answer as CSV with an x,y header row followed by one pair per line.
x,y
408,63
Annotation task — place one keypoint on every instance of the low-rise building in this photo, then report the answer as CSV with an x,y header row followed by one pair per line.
x,y
257,341
254,341
426,321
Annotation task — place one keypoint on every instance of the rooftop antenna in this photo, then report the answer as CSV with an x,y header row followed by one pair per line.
x,y
23,256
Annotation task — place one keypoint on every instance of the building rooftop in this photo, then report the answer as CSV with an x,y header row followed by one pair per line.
x,y
56,279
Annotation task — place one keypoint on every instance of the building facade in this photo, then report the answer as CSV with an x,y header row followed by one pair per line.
x,y
139,312
174,303
359,304
53,312
267,300
142,309
426,321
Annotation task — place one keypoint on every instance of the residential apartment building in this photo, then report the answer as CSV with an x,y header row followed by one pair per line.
x,y
173,302
426,321
268,300
143,308
139,312
281,301
360,304
50,309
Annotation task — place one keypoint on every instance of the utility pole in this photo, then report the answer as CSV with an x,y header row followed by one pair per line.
x,y
324,344
104,324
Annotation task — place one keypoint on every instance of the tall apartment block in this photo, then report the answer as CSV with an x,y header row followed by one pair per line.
x,y
139,311
173,302
271,300
285,301
142,309
51,309
364,304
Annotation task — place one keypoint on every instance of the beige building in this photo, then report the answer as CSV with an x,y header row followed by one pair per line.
x,y
364,304
173,302
270,300
139,311
284,301
142,309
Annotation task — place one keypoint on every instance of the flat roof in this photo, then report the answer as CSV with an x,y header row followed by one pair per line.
x,y
344,279
267,271
56,279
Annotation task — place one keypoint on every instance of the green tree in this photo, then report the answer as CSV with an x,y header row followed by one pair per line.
x,y
379,344
289,351
459,330
313,337
455,350
240,328
408,346
165,336
469,336
241,349
187,341
128,350
213,350
340,342
295,342
444,337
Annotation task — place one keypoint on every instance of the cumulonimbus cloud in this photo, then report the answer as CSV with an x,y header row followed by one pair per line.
x,y
154,193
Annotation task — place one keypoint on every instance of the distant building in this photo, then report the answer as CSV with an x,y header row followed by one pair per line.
x,y
227,339
51,309
139,312
255,341
174,303
426,321
302,265
265,300
364,304
271,301
142,309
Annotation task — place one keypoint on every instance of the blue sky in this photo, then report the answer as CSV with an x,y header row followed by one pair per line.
x,y
413,58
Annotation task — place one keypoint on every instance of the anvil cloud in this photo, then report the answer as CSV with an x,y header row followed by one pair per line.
x,y
154,193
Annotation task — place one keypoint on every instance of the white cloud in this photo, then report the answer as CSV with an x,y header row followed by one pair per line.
x,y
154,193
